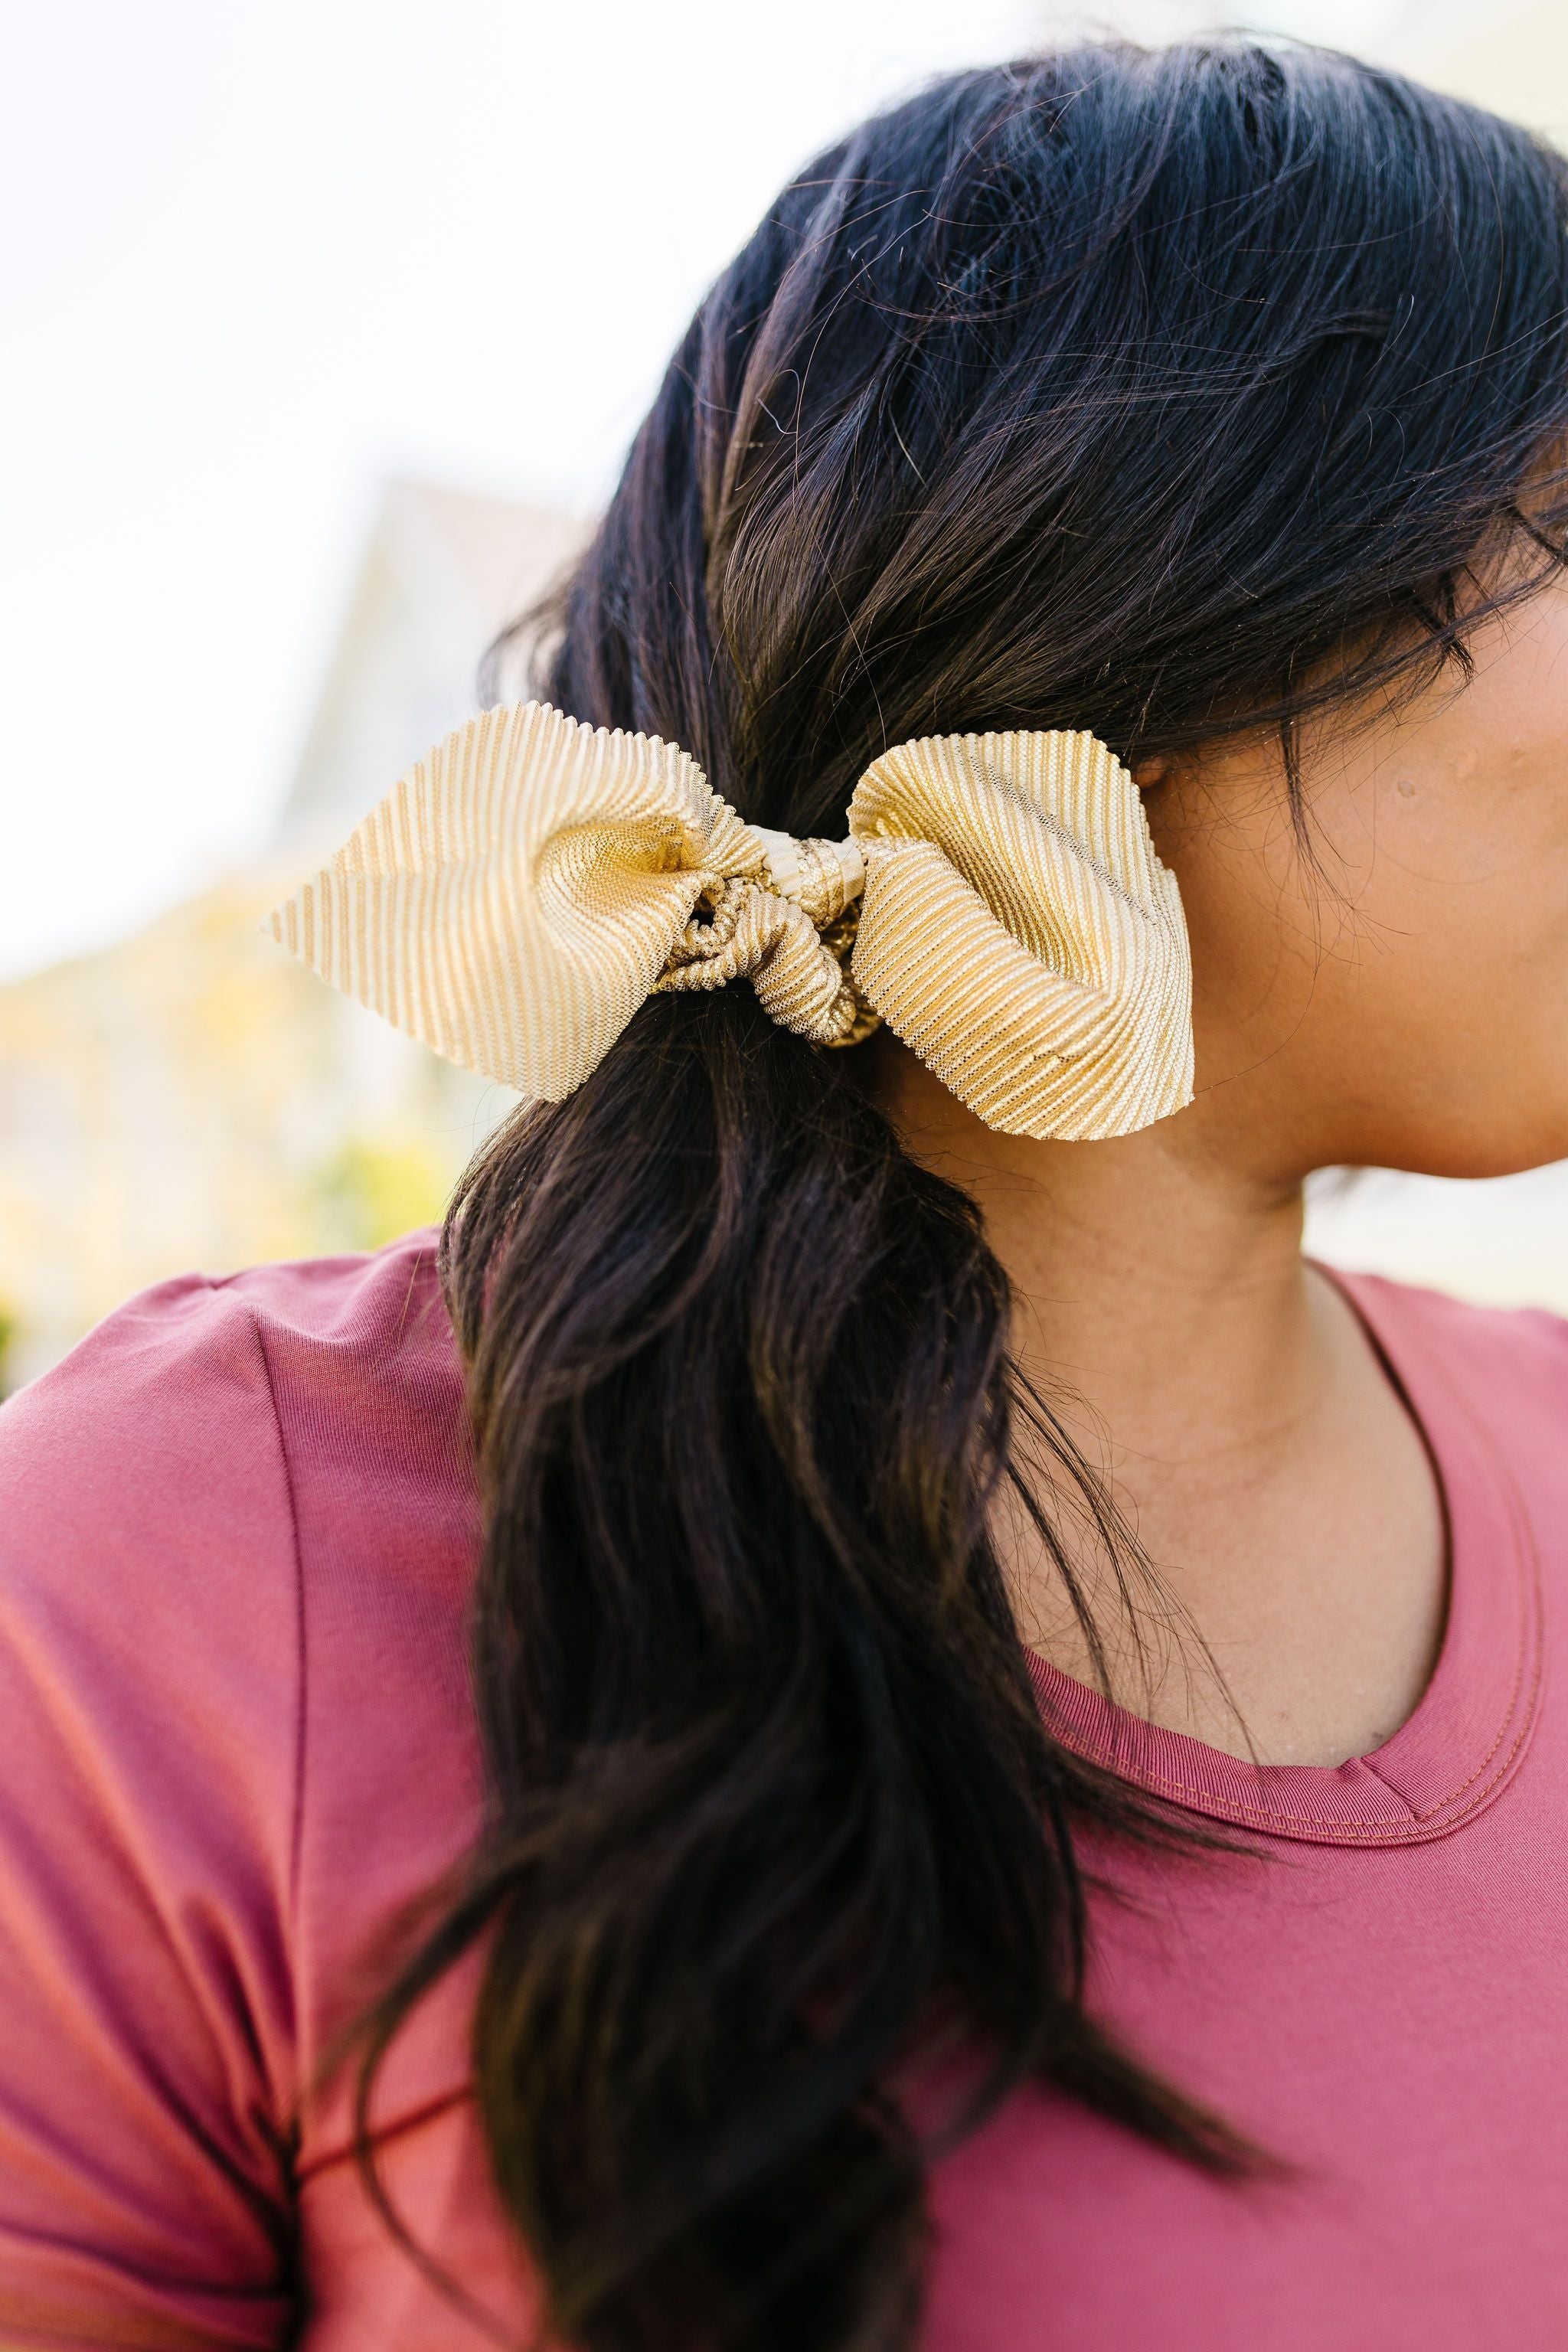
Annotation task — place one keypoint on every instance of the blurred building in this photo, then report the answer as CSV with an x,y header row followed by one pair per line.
x,y
193,1097
442,573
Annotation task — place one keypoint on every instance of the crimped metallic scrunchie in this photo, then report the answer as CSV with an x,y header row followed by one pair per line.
x,y
998,903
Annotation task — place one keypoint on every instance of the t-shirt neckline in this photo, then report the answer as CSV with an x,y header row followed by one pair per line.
x,y
1453,1754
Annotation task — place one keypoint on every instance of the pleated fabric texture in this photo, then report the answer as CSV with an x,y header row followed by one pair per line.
x,y
526,886
1020,932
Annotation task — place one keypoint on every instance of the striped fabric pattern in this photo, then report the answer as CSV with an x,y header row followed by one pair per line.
x,y
516,896
1020,933
531,881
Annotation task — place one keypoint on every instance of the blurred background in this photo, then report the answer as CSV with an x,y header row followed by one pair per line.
x,y
328,321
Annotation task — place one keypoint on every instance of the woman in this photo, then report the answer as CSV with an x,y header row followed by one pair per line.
x,y
1006,1796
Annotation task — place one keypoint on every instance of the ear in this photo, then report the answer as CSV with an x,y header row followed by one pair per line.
x,y
1148,773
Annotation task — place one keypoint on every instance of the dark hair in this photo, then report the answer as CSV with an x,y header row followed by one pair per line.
x,y
1166,394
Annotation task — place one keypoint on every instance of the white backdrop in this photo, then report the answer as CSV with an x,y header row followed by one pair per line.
x,y
256,254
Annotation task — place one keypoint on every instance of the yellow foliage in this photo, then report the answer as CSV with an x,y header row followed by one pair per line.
x,y
373,1189
194,1100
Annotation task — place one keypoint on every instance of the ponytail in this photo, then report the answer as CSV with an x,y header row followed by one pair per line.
x,y
769,1785
773,1815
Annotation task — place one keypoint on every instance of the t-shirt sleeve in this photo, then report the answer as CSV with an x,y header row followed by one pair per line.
x,y
150,1675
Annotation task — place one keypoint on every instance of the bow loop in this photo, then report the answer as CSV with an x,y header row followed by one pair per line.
x,y
531,881
1019,931
758,934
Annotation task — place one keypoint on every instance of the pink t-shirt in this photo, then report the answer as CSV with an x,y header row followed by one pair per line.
x,y
236,1541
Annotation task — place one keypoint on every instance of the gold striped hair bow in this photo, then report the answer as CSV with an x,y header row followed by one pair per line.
x,y
998,903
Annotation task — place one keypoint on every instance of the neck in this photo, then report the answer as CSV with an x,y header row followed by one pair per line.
x,y
1161,1290
1230,1404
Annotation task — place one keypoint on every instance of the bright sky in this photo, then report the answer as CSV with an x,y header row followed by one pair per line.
x,y
259,255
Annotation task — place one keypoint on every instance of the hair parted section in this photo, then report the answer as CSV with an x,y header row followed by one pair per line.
x,y
1162,395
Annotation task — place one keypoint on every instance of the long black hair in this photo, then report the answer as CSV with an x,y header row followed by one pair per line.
x,y
1166,394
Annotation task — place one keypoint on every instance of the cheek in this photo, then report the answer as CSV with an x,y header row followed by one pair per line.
x,y
1398,994
1444,982
1405,1005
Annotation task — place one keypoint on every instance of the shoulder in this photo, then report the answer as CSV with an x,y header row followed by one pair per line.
x,y
1505,1369
154,1624
1476,1344
162,1532
150,1484
170,1491
237,1538
194,1416
134,1476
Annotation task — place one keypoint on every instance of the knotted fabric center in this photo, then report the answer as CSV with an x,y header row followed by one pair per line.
x,y
787,934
